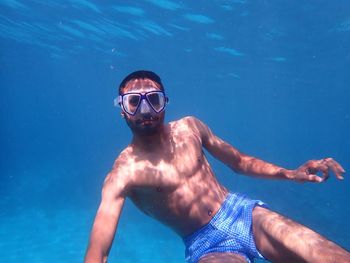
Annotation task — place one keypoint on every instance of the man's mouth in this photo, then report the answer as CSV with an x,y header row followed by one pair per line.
x,y
146,121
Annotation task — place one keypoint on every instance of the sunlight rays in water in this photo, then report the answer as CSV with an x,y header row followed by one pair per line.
x,y
119,23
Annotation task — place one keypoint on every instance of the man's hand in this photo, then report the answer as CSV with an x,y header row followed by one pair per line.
x,y
309,171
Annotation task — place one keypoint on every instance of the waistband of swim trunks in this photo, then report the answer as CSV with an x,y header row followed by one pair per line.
x,y
231,197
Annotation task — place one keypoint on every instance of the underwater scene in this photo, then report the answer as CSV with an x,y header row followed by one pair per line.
x,y
272,78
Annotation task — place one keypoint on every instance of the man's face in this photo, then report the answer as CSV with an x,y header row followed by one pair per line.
x,y
145,121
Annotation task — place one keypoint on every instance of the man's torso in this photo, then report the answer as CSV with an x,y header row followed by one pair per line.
x,y
174,183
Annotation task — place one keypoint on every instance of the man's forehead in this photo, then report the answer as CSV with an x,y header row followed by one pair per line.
x,y
141,83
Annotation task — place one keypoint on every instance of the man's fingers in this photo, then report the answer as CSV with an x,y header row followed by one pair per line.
x,y
325,175
319,167
335,167
314,178
318,170
323,169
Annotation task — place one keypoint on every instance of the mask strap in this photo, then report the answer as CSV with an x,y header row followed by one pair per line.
x,y
117,101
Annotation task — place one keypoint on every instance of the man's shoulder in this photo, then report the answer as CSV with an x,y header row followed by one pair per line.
x,y
188,124
124,158
120,172
188,120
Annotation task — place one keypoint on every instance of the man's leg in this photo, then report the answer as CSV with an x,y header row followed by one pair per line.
x,y
223,258
280,239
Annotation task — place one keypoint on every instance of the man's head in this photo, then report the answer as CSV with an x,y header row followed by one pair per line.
x,y
142,99
141,74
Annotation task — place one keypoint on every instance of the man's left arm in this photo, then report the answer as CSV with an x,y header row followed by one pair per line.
x,y
249,165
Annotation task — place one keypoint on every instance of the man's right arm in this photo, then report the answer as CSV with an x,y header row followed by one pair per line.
x,y
106,220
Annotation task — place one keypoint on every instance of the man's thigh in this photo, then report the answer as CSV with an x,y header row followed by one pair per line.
x,y
223,258
280,239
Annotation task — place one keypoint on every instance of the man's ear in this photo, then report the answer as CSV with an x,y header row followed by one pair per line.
x,y
122,114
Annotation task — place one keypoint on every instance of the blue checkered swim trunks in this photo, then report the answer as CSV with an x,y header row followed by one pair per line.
x,y
230,230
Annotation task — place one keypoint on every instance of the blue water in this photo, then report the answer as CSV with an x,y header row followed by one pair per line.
x,y
270,77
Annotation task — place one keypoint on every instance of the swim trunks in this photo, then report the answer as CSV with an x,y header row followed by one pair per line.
x,y
230,230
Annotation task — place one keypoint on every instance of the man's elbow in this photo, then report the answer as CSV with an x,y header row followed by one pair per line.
x,y
235,167
236,163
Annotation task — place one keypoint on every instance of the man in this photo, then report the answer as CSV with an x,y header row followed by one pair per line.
x,y
165,173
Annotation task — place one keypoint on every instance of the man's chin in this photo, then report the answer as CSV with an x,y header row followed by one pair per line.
x,y
146,126
146,129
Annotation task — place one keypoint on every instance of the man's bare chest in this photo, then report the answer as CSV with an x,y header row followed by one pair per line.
x,y
177,161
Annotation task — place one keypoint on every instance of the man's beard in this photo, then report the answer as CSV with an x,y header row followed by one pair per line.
x,y
148,125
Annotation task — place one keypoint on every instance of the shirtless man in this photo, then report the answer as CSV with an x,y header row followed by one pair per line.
x,y
165,173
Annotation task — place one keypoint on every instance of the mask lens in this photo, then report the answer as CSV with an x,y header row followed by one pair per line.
x,y
156,100
131,102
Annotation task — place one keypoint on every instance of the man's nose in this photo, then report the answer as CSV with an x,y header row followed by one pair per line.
x,y
144,107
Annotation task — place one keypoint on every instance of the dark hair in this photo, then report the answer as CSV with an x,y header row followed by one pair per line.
x,y
141,74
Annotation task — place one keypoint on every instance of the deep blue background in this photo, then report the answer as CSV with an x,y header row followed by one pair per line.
x,y
270,77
